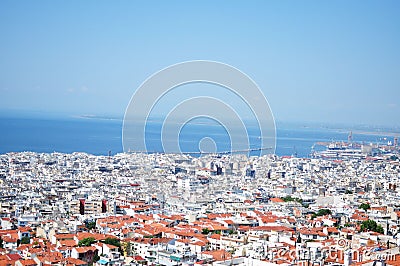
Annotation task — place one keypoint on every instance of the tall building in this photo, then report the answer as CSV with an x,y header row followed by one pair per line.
x,y
350,137
83,206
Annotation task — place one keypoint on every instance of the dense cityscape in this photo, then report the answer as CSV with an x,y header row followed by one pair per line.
x,y
174,209
188,133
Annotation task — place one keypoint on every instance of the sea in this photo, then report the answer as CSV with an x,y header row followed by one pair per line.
x,y
99,136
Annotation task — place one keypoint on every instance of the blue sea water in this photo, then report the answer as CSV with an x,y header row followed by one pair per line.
x,y
99,136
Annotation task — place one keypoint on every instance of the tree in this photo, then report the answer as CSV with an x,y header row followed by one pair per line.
x,y
379,229
364,206
96,258
289,198
90,225
25,240
112,241
370,225
321,212
86,242
205,231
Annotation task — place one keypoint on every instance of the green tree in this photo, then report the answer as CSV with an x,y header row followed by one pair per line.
x,y
322,212
86,242
205,231
96,258
112,241
25,240
115,242
90,225
290,198
371,225
379,229
364,206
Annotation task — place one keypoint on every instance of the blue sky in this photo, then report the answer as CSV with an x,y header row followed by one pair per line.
x,y
330,61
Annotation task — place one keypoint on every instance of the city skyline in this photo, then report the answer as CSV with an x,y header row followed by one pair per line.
x,y
199,133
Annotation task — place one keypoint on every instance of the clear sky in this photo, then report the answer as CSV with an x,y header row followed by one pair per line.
x,y
331,61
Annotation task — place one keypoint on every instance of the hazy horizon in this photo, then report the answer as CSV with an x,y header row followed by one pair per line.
x,y
357,127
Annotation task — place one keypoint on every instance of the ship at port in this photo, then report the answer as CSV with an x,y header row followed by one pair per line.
x,y
338,150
